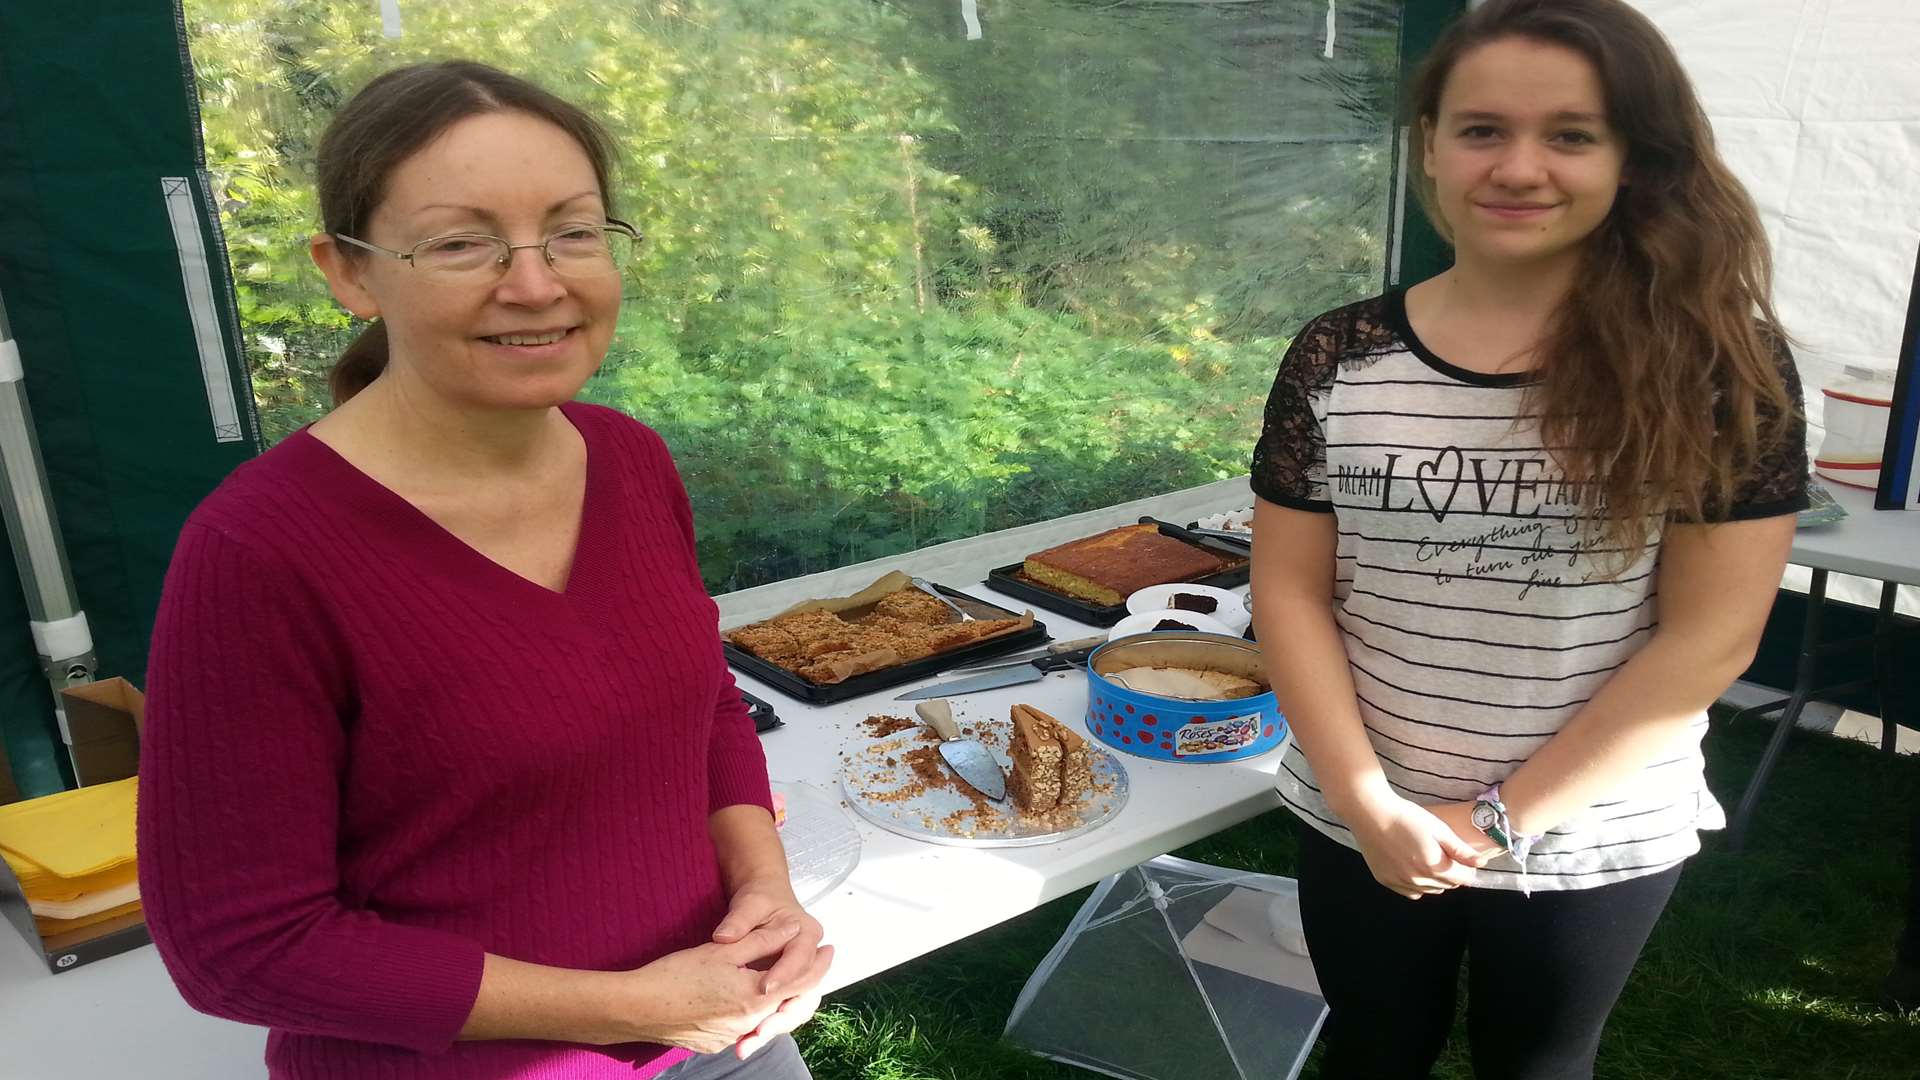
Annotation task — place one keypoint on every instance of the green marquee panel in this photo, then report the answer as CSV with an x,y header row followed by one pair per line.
x,y
116,288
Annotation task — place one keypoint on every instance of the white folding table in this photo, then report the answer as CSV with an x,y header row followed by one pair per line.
x,y
1883,545
121,1016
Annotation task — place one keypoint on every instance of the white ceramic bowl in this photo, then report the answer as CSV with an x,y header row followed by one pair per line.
x,y
1144,622
1231,612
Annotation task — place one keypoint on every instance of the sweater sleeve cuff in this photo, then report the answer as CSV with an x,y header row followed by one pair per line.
x,y
738,779
424,989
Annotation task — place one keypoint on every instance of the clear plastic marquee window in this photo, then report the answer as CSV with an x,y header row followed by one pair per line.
x,y
915,270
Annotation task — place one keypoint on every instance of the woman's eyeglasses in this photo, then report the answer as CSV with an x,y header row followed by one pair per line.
x,y
574,250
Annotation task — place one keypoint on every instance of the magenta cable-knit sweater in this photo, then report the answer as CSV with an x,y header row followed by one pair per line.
x,y
372,754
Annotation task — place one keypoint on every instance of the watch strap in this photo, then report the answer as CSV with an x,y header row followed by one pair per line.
x,y
1501,831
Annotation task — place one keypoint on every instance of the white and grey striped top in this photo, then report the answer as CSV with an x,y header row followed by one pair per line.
x,y
1477,618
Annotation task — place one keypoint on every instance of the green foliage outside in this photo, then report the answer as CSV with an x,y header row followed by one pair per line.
x,y
900,286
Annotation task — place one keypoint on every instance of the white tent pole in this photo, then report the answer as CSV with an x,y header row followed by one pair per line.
x,y
60,633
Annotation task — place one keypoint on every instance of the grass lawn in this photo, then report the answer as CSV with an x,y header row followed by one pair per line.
x,y
1765,966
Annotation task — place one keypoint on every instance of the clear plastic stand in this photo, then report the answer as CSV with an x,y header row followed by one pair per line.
x,y
1176,970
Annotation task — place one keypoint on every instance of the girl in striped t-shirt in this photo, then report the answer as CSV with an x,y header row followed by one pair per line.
x,y
1518,527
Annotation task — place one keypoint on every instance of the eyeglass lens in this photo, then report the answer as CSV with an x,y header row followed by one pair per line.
x,y
581,251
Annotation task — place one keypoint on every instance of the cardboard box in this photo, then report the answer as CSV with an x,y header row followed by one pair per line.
x,y
105,719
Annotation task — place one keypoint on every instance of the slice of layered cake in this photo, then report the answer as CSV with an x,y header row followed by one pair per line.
x,y
1104,569
1051,769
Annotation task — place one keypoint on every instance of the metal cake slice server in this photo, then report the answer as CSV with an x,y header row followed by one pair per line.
x,y
967,757
927,587
1245,539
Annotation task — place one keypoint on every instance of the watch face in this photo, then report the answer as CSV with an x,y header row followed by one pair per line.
x,y
1483,817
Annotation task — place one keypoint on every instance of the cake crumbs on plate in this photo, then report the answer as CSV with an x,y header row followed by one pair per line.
x,y
881,725
906,775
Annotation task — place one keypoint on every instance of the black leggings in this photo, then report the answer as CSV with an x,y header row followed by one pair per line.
x,y
1544,971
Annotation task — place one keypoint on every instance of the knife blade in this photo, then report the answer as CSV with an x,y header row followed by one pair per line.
x,y
1028,671
1054,648
968,758
992,680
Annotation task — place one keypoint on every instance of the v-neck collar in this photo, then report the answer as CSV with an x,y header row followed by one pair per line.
x,y
440,548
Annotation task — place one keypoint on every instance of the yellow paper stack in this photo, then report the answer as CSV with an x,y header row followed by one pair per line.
x,y
73,855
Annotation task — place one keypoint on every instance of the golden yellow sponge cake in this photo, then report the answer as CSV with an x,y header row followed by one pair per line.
x,y
1106,568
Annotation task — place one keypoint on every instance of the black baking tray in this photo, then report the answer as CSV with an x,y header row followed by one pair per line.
x,y
762,714
816,694
1004,579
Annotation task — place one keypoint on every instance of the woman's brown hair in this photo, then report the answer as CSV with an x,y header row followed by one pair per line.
x,y
391,119
1661,374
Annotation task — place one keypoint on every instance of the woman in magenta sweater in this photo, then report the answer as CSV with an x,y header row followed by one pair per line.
x,y
444,774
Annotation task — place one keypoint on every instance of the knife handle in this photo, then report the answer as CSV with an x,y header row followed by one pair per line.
x,y
939,716
1076,644
1065,660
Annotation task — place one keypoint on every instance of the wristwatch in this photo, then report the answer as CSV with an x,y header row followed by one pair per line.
x,y
1487,816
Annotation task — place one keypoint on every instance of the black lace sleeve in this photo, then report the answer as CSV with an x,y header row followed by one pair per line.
x,y
1775,481
1290,460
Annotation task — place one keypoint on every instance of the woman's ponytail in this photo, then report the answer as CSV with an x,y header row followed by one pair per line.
x,y
360,364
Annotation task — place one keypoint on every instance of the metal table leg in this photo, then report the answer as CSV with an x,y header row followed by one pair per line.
x,y
1883,665
1802,688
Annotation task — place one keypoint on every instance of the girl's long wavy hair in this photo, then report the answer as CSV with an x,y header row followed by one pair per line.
x,y
1660,376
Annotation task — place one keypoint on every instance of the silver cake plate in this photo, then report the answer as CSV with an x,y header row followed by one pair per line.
x,y
886,795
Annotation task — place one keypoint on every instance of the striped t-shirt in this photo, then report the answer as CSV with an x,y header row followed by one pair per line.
x,y
1477,618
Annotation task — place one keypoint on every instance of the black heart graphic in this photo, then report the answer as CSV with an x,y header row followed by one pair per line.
x,y
1421,471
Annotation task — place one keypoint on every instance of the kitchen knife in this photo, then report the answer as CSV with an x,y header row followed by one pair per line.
x,y
1053,648
1030,671
969,758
